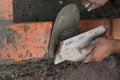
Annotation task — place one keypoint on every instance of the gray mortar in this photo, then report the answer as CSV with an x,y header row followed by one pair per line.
x,y
4,33
4,23
10,35
20,56
26,28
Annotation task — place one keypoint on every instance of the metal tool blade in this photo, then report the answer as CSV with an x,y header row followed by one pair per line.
x,y
66,25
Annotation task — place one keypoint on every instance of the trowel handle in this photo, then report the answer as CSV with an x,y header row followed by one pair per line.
x,y
97,31
87,37
84,39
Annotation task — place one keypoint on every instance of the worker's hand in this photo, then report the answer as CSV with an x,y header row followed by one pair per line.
x,y
93,4
102,48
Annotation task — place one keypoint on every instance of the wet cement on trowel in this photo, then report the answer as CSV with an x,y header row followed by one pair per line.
x,y
38,10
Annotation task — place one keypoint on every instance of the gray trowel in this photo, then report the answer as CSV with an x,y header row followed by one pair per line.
x,y
65,26
70,49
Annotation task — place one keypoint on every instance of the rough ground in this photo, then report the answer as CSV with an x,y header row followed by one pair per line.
x,y
46,10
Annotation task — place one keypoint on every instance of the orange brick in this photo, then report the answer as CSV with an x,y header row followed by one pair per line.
x,y
86,25
25,41
6,9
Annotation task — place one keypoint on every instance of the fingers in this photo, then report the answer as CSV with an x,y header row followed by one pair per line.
x,y
88,49
93,53
89,58
94,1
93,57
102,49
92,7
84,1
86,4
89,4
93,4
96,55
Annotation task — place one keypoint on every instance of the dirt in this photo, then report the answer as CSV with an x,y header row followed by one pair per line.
x,y
46,70
46,10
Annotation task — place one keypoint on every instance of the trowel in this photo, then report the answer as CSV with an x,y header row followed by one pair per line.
x,y
65,26
70,49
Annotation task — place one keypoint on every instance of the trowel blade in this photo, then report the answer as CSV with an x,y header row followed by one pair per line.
x,y
58,59
66,25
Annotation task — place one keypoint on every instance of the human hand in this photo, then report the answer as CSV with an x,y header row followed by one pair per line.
x,y
102,48
93,4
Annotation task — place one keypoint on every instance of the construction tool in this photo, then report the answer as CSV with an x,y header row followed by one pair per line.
x,y
70,49
67,21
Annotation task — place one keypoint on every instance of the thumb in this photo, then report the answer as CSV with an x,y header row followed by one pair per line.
x,y
89,58
88,49
93,6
